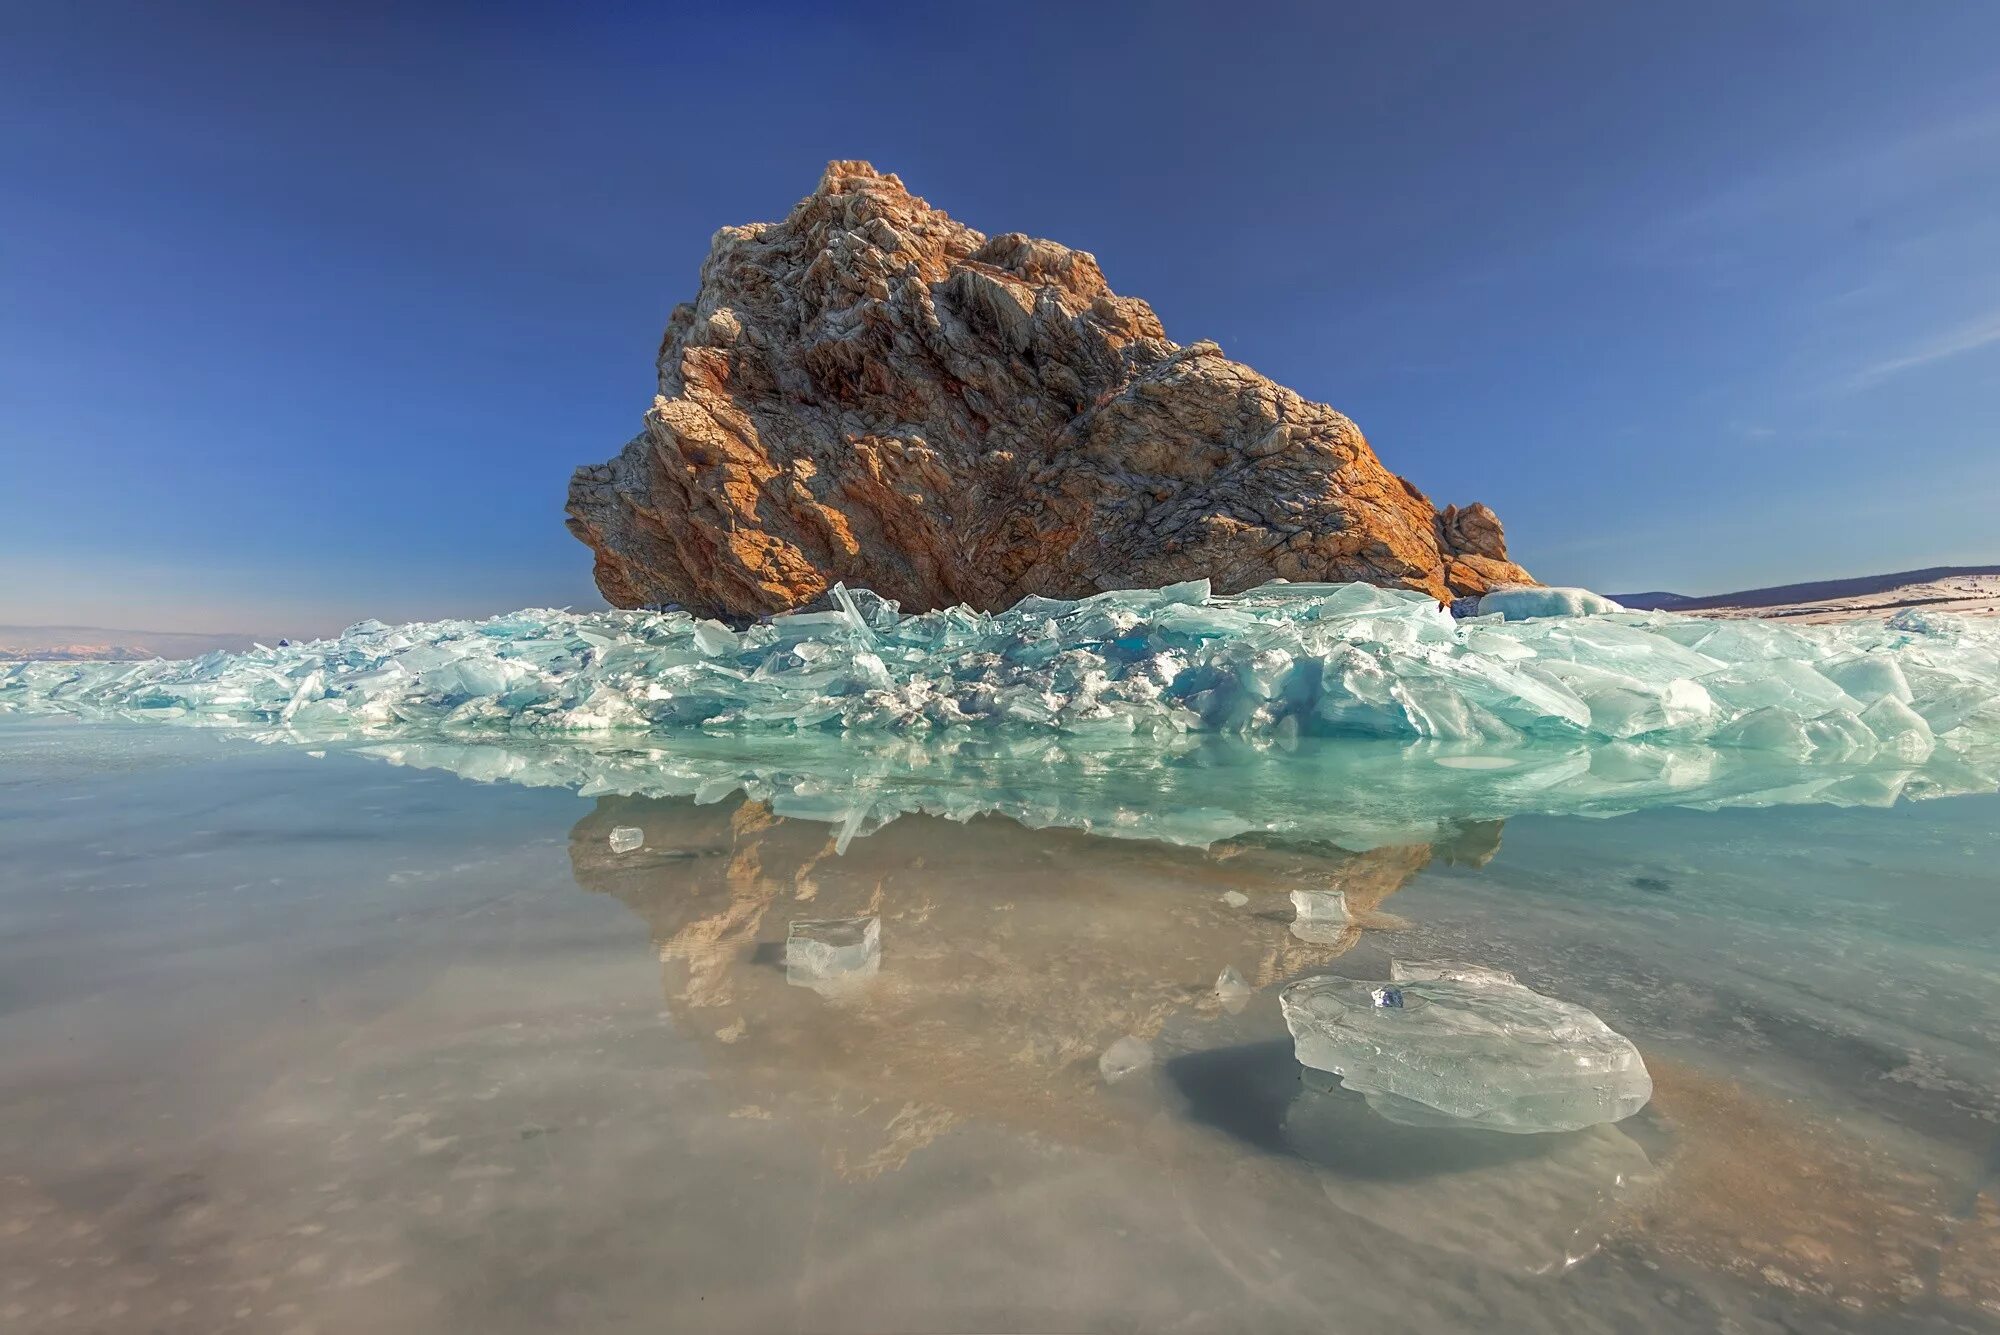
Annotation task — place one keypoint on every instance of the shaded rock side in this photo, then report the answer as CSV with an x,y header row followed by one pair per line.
x,y
872,392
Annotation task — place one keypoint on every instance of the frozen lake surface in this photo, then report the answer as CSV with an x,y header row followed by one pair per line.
x,y
345,1040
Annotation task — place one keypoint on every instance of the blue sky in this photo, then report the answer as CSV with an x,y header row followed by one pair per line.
x,y
307,316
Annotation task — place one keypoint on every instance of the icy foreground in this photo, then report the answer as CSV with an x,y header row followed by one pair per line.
x,y
1278,661
1450,1045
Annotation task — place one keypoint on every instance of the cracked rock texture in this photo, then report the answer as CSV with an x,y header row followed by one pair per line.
x,y
872,392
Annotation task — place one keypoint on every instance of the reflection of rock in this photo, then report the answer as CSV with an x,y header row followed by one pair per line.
x,y
1533,1203
1810,1206
1012,959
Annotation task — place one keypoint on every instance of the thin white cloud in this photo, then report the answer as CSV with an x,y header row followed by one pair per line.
x,y
1968,337
1845,179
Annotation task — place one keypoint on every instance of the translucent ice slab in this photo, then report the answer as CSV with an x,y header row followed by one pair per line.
x,y
1467,1047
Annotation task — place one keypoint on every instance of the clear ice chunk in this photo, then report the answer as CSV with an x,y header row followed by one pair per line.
x,y
626,838
831,954
1329,906
1232,989
1487,1054
1128,1055
1320,916
1236,899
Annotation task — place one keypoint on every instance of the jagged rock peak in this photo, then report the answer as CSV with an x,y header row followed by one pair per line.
x,y
871,391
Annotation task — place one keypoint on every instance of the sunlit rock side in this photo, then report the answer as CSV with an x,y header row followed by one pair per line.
x,y
871,392
1280,662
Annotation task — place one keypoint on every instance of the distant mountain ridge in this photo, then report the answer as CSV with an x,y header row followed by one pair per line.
x,y
1779,595
1813,590
84,644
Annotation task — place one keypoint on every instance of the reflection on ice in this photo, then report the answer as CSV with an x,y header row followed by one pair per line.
x,y
1536,1204
1195,790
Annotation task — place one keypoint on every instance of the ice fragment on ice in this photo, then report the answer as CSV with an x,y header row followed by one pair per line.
x,y
1484,1054
1122,1058
626,838
1518,602
828,954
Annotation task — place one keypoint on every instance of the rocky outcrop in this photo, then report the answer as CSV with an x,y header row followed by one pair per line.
x,y
872,392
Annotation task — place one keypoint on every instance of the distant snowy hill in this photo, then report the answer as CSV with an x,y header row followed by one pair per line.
x,y
82,644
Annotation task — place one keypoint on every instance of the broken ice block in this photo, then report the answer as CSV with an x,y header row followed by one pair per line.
x,y
828,954
1321,915
626,838
1122,1058
1236,899
1320,905
1233,990
1485,1054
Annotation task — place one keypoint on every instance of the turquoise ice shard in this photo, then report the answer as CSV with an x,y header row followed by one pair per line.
x,y
1280,662
830,954
1470,1048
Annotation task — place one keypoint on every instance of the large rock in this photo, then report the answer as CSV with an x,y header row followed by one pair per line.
x,y
872,392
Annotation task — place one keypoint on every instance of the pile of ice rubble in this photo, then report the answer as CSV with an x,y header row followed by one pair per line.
x,y
1277,661
1445,1044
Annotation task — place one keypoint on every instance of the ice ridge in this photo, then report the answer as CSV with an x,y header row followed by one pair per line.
x,y
1277,661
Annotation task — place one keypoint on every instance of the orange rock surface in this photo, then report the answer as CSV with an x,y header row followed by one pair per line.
x,y
872,392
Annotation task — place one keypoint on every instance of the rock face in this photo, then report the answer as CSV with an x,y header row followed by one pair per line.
x,y
872,392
